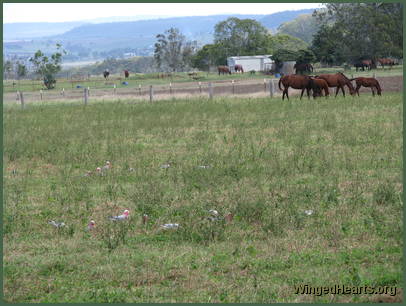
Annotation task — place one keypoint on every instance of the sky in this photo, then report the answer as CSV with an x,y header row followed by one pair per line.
x,y
61,12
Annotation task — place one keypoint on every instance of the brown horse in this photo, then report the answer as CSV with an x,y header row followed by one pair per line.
x,y
303,68
317,86
223,70
295,81
126,74
386,61
338,80
368,82
238,68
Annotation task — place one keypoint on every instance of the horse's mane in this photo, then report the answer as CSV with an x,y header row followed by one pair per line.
x,y
344,76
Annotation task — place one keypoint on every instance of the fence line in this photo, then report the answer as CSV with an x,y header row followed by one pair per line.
x,y
211,89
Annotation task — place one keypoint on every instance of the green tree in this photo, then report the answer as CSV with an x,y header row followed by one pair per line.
x,y
367,29
21,70
172,51
285,42
8,68
239,37
327,45
48,67
209,55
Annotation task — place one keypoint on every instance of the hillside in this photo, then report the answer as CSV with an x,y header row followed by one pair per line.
x,y
114,39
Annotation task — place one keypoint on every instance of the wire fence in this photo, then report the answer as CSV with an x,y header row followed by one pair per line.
x,y
252,88
147,92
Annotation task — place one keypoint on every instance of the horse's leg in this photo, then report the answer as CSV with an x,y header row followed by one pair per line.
x,y
357,89
337,88
301,95
342,89
308,92
373,91
287,94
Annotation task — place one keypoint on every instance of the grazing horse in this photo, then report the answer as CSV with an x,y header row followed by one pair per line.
x,y
361,65
223,70
295,81
337,80
238,68
386,61
106,73
126,74
303,68
367,82
317,86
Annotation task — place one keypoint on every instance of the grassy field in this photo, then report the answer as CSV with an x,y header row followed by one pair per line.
x,y
270,161
98,82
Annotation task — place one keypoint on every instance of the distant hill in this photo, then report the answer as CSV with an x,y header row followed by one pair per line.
x,y
84,40
273,21
30,30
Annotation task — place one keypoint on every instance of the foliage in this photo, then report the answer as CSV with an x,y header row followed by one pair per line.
x,y
239,37
326,45
21,70
7,68
48,67
285,42
172,51
369,30
303,27
305,56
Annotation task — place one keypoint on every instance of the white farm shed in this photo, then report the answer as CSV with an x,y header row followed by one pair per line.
x,y
248,63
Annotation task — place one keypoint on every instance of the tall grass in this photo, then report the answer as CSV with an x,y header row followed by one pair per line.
x,y
269,161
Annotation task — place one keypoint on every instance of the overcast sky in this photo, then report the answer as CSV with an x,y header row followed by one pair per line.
x,y
59,12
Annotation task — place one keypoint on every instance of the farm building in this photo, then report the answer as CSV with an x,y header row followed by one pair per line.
x,y
249,63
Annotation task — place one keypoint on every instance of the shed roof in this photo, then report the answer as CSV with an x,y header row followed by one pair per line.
x,y
250,57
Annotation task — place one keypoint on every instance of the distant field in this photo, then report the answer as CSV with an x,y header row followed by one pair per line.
x,y
135,80
315,187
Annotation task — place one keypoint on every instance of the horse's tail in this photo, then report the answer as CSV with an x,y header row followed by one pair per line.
x,y
279,84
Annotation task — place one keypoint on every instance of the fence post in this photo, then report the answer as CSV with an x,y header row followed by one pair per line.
x,y
86,94
210,90
265,85
232,82
22,99
271,88
170,87
151,93
200,87
40,93
88,91
114,88
139,89
374,75
63,92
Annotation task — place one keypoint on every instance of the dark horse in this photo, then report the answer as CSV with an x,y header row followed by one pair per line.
x,y
238,68
295,81
303,68
317,86
126,74
223,70
106,73
368,82
361,65
338,80
386,61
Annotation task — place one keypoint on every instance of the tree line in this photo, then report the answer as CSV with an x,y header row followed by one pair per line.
x,y
339,33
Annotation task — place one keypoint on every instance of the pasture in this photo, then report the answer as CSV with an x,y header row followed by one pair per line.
x,y
135,80
315,187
